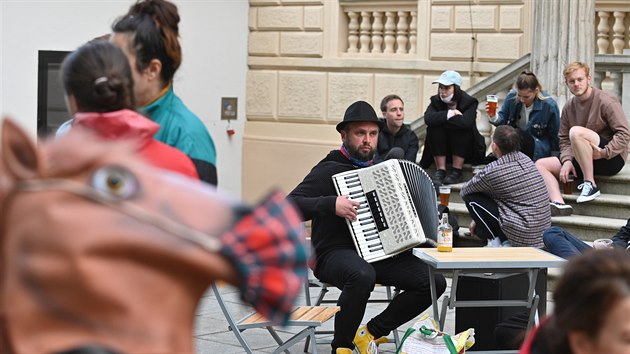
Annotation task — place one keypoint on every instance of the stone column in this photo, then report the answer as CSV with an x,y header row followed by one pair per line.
x,y
564,31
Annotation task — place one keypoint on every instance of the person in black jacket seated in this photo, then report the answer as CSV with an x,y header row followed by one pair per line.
x,y
337,261
395,134
451,130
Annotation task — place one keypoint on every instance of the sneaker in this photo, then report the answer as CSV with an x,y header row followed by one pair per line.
x,y
494,242
589,192
560,209
454,177
364,341
438,177
506,243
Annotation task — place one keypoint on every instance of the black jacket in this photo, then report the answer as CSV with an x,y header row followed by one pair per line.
x,y
405,139
316,197
436,114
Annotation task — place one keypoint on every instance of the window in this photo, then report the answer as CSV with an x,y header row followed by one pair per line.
x,y
51,106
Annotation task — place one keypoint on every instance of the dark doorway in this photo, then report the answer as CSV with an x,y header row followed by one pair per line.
x,y
51,107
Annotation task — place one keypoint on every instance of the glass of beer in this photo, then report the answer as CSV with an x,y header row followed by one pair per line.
x,y
602,243
493,101
568,185
445,193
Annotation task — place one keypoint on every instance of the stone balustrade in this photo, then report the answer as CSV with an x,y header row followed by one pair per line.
x,y
375,31
393,29
613,28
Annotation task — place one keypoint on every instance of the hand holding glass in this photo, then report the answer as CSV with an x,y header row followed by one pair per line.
x,y
491,106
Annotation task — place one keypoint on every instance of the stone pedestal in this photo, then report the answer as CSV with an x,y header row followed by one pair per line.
x,y
563,32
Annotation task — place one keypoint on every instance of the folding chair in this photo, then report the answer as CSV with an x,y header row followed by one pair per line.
x,y
309,317
321,299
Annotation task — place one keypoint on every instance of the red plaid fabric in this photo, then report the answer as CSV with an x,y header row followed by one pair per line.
x,y
267,246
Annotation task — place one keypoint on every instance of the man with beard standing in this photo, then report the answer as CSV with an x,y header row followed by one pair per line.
x,y
337,261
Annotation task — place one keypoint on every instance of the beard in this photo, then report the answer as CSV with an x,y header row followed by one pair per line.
x,y
360,156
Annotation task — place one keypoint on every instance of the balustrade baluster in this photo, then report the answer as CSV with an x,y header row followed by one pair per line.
x,y
598,78
618,32
413,32
401,33
353,32
365,37
390,31
377,32
603,28
617,82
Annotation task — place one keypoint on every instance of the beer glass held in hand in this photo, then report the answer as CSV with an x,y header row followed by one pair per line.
x,y
493,101
568,185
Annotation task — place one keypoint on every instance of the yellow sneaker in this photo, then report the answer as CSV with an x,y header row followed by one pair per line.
x,y
364,341
343,351
381,340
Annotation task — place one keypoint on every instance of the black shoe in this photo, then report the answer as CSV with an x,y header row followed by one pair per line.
x,y
560,209
438,177
454,177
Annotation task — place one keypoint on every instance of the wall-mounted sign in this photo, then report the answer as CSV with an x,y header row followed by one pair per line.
x,y
228,107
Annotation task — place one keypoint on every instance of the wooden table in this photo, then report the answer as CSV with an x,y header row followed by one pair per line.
x,y
479,260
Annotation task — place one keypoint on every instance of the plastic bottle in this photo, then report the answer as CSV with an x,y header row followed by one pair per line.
x,y
445,235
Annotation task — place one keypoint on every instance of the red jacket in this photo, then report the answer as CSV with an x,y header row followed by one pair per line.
x,y
128,124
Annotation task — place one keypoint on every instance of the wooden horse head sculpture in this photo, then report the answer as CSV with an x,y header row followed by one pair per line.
x,y
100,249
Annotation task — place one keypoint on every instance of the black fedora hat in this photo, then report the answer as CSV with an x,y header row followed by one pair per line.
x,y
359,111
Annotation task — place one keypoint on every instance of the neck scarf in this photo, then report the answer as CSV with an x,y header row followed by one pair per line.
x,y
354,161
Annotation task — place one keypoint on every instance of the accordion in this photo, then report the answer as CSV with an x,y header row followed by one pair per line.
x,y
398,208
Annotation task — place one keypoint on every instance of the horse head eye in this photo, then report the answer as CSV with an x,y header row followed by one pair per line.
x,y
115,181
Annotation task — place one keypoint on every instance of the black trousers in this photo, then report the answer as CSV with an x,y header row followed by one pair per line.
x,y
485,212
448,142
528,144
356,279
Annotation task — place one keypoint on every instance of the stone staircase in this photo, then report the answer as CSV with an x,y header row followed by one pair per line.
x,y
599,218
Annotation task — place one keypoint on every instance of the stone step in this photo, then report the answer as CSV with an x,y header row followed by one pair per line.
x,y
599,218
606,205
618,184
585,227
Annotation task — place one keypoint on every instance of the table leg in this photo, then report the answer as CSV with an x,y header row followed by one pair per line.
x,y
434,299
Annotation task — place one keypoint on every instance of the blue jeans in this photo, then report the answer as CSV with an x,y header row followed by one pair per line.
x,y
561,243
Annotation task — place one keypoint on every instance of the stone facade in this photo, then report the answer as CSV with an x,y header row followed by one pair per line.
x,y
309,59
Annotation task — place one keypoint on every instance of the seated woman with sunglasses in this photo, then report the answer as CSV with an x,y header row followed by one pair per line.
x,y
534,113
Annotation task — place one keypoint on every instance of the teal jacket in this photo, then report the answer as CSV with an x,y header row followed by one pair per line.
x,y
183,130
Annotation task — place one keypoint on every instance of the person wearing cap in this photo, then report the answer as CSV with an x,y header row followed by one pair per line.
x,y
336,259
451,130
395,134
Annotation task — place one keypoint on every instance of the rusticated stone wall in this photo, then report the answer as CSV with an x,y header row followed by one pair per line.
x,y
303,70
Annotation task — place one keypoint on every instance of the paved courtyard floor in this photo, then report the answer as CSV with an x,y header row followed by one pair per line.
x,y
212,335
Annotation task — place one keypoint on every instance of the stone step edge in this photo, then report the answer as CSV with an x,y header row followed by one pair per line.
x,y
622,176
604,199
582,221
